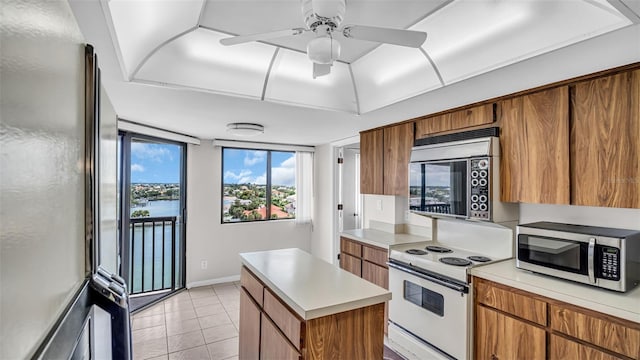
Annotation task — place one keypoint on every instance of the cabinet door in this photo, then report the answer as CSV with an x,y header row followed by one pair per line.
x,y
474,116
534,162
375,274
499,337
561,348
605,142
351,263
249,327
371,154
274,345
398,141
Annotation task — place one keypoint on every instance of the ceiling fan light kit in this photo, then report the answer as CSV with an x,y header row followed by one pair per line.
x,y
323,17
245,129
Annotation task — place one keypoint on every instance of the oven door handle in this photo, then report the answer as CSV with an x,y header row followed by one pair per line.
x,y
591,260
460,288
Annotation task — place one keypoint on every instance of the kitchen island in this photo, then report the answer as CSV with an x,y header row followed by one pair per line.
x,y
296,306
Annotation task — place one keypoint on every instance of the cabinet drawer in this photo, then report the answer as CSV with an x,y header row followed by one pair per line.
x,y
284,319
602,332
375,255
561,348
253,286
512,302
350,247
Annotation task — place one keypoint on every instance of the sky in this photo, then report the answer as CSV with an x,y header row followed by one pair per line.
x,y
155,163
243,166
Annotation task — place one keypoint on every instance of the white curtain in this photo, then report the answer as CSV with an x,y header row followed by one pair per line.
x,y
304,187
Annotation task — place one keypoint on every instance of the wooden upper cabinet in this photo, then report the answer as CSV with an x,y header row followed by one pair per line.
x,y
398,141
371,155
605,142
474,116
534,161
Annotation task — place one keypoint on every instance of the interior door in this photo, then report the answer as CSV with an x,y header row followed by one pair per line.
x,y
351,197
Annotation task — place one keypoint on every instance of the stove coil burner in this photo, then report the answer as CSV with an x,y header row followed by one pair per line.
x,y
416,252
455,261
478,258
438,249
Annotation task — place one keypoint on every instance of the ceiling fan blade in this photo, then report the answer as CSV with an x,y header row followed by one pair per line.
x,y
321,70
408,38
262,36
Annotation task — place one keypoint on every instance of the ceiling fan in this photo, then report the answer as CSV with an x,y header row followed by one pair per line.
x,y
323,17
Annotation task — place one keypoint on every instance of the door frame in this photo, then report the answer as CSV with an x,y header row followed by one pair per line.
x,y
125,137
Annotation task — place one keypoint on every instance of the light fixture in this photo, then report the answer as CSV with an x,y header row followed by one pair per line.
x,y
245,129
323,49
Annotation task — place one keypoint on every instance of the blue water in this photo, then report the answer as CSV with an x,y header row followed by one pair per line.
x,y
155,277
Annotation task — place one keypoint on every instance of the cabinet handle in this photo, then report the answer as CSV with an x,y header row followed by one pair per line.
x,y
494,357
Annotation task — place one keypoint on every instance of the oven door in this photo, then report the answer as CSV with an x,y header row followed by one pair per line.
x,y
439,187
431,311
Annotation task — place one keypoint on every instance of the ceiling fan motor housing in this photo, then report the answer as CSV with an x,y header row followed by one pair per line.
x,y
323,12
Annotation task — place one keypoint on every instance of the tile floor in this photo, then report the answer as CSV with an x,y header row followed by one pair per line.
x,y
199,323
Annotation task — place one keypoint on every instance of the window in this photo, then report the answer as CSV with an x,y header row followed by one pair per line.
x,y
258,185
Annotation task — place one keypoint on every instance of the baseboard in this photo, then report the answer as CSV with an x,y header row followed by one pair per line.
x,y
222,280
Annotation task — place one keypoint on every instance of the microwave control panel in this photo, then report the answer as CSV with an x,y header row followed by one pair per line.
x,y
609,262
479,206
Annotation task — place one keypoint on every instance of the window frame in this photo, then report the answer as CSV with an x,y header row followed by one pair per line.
x,y
268,185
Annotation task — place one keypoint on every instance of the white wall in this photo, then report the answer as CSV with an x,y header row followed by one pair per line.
x,y
108,201
42,246
219,244
581,215
322,238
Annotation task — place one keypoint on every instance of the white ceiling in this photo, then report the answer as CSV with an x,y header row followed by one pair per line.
x,y
162,64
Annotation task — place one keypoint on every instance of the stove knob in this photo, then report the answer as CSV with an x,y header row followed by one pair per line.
x,y
474,182
483,173
474,206
474,174
483,182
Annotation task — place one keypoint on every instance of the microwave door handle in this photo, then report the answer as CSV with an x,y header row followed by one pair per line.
x,y
591,260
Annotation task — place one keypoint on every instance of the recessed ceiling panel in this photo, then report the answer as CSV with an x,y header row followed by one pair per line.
x,y
197,60
142,26
467,38
390,74
291,82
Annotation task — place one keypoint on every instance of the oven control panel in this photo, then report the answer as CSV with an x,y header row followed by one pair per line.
x,y
479,206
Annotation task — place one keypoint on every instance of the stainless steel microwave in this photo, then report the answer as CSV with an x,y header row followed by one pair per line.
x,y
458,179
604,257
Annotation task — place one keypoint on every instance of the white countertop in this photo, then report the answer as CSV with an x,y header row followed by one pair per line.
x,y
380,238
312,287
622,305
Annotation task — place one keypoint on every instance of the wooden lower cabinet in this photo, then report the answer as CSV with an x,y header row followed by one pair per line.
x,y
274,331
249,327
561,348
515,324
503,337
351,263
274,344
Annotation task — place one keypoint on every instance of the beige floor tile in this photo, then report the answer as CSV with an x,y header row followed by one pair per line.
x,y
161,357
185,341
181,315
231,306
209,300
182,326
227,290
223,349
214,320
180,297
229,297
177,306
197,353
209,310
157,309
200,292
232,358
236,324
147,321
217,333
150,349
150,333
234,315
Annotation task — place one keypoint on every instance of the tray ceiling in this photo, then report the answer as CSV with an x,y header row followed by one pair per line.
x,y
175,43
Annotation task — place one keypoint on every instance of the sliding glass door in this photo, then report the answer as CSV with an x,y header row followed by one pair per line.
x,y
152,208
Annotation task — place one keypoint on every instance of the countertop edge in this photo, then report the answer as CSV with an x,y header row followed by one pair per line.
x,y
482,272
382,244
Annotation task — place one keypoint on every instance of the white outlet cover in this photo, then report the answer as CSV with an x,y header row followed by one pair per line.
x,y
379,205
